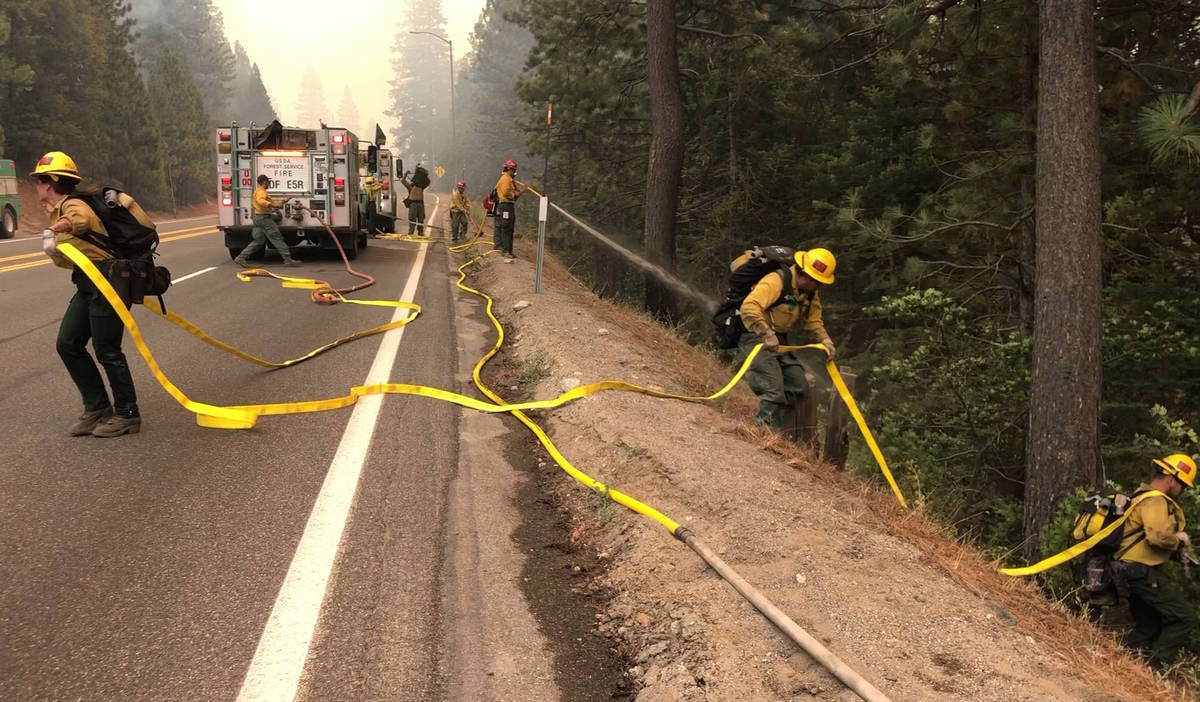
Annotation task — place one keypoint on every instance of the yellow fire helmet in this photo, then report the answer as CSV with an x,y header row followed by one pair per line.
x,y
817,264
370,179
1179,465
56,164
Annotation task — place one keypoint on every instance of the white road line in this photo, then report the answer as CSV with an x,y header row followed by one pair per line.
x,y
274,674
19,239
189,276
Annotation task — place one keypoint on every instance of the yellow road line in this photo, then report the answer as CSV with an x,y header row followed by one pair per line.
x,y
180,234
164,236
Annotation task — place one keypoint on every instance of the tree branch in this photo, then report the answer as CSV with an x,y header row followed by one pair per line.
x,y
1116,53
709,32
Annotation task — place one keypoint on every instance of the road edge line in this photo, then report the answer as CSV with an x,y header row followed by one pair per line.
x,y
279,660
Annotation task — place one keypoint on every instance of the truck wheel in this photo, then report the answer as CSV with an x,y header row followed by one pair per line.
x,y
8,224
352,249
362,241
234,251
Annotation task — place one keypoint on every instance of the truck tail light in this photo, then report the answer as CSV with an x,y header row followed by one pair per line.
x,y
339,143
386,183
339,184
339,200
226,183
224,136
227,201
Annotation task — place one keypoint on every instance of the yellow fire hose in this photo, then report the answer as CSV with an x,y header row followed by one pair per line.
x,y
860,685
1081,547
244,416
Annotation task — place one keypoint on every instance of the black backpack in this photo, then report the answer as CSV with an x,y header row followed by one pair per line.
x,y
764,260
420,177
133,246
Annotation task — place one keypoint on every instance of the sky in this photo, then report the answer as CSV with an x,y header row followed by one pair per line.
x,y
358,50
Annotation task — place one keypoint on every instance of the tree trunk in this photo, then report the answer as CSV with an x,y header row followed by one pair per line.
x,y
1063,448
666,150
1026,233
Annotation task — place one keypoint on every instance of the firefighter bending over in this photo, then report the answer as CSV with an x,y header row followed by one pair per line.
x,y
769,312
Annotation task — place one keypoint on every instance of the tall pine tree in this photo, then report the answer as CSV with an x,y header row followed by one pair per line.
x,y
187,158
420,86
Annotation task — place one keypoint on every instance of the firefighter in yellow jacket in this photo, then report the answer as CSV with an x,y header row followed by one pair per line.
x,y
507,193
265,227
1163,619
89,316
768,313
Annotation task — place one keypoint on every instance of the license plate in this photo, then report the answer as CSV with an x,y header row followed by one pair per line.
x,y
288,174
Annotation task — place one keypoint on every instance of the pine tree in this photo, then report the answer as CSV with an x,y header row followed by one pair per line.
x,y
420,87
16,77
489,112
185,130
195,31
347,115
125,116
251,103
310,102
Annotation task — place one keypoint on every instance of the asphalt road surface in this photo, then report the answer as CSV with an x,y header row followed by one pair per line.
x,y
317,556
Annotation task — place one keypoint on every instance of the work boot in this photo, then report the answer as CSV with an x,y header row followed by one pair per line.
x,y
242,262
116,426
291,262
88,421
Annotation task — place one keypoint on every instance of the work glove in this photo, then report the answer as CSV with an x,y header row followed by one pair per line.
x,y
1184,539
49,243
771,342
828,344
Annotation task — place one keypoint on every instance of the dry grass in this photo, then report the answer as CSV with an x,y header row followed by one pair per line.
x,y
698,373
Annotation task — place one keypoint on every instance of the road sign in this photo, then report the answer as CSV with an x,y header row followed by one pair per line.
x,y
440,171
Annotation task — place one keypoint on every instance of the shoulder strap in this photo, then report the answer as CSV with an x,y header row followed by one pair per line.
x,y
1083,546
94,238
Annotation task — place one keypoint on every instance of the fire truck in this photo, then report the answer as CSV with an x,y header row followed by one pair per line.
x,y
377,161
308,168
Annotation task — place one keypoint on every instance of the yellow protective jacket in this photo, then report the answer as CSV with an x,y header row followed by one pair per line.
x,y
1149,533
264,203
459,202
506,190
84,220
762,315
372,190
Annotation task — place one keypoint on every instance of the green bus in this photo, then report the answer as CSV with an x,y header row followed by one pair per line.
x,y
10,204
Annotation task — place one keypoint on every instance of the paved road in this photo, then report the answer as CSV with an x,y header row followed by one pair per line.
x,y
165,565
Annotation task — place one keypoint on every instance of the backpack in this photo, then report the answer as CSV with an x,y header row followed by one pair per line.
x,y
489,203
133,246
763,261
420,177
1093,569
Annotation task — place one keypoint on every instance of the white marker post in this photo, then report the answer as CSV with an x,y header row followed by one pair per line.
x,y
543,211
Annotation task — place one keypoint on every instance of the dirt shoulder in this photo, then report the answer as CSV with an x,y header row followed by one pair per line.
x,y
919,616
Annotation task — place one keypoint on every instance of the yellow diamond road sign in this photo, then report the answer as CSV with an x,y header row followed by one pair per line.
x,y
440,171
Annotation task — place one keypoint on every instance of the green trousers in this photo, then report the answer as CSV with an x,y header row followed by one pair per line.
x,y
1163,619
777,378
505,226
265,228
416,217
458,225
89,317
